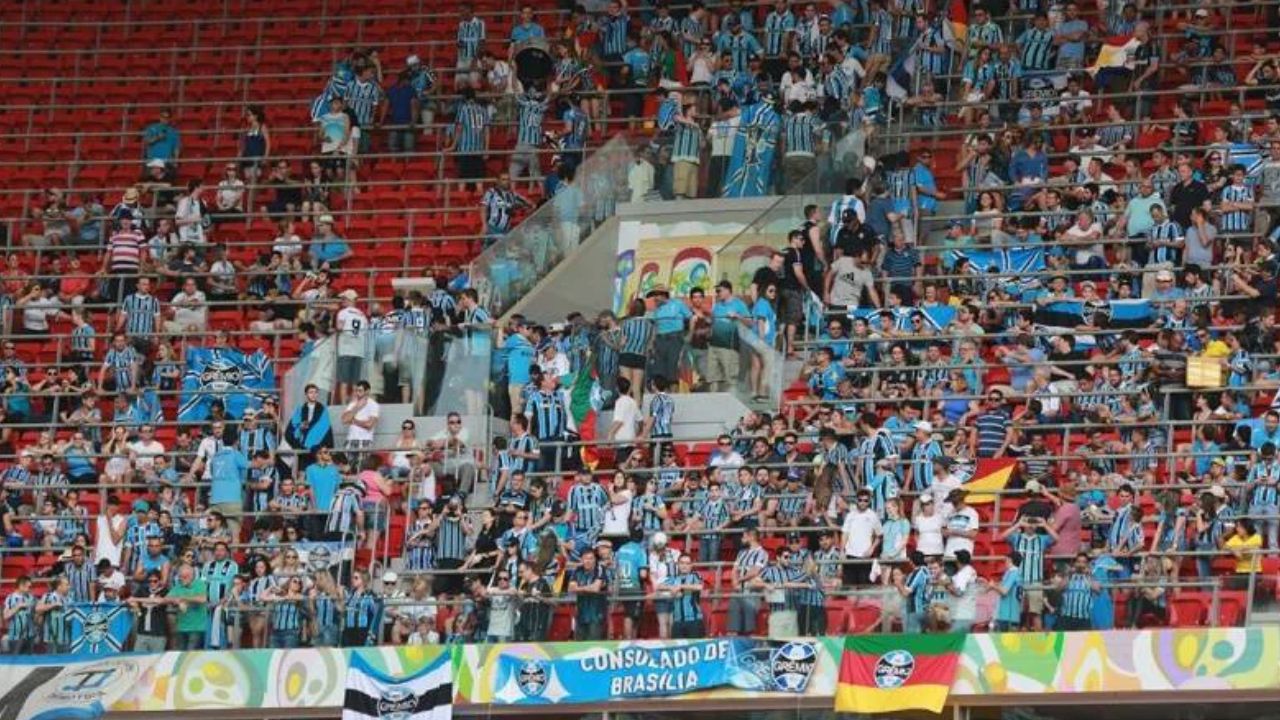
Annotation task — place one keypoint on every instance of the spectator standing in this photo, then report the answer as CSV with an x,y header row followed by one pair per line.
x,y
190,595
351,326
747,567
161,141
228,470
590,586
368,105
685,589
255,143
360,417
471,37
499,205
470,139
403,110
727,315
859,536
531,110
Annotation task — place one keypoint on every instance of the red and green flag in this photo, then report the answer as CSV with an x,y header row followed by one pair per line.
x,y
584,415
888,673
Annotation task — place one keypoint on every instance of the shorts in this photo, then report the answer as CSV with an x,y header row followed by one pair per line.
x,y
684,178
1035,601
470,167
375,516
635,361
524,162
791,311
350,369
631,608
722,365
663,607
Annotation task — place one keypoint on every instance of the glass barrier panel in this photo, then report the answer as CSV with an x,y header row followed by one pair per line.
x,y
514,263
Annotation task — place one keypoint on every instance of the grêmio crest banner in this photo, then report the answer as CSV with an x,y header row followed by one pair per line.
x,y
602,672
240,381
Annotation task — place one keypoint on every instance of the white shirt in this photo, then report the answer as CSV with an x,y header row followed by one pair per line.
x,y
37,311
190,310
1087,251
860,529
557,365
658,564
222,273
617,518
230,194
369,411
104,548
444,436
500,77
965,605
289,246
728,463
928,533
205,451
798,87
963,519
146,452
627,412
722,135
1079,102
640,178
192,232
351,324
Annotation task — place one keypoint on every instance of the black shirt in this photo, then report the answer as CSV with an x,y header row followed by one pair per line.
x,y
1184,197
1071,362
764,277
853,241
793,257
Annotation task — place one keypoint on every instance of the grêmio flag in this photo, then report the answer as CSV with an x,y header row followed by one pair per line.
x,y
98,628
240,381
889,673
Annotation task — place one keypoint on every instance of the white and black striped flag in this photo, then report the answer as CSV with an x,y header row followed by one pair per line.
x,y
425,695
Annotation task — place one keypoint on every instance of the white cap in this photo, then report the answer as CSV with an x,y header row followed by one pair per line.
x,y
925,498
1033,486
390,577
659,539
157,163
349,294
325,220
412,60
1217,491
924,425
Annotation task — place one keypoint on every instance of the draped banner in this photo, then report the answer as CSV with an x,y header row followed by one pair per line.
x,y
641,669
98,628
750,171
240,381
425,695
71,691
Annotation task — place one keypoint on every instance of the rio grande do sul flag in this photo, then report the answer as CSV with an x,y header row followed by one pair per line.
x,y
888,673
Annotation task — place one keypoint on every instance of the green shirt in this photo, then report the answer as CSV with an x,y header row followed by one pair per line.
x,y
196,617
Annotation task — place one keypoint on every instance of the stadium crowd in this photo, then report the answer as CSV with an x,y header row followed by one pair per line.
x,y
1110,238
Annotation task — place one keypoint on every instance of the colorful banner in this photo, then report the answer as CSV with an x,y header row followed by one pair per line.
x,y
240,381
70,691
642,669
993,668
889,673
